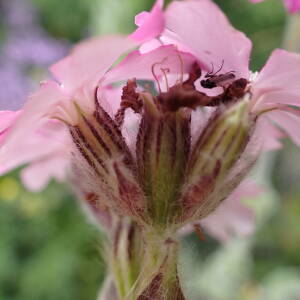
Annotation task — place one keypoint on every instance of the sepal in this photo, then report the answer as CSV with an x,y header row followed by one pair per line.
x,y
162,151
105,164
213,156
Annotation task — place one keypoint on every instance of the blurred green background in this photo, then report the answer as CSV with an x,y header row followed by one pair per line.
x,y
47,248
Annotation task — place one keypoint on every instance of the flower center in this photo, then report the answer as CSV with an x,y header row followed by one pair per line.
x,y
183,94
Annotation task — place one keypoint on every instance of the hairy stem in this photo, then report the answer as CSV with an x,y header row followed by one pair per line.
x,y
142,264
158,278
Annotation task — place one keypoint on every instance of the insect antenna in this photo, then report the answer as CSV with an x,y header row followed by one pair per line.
x,y
220,67
209,74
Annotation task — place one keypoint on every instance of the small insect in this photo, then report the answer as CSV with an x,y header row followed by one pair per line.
x,y
232,92
213,80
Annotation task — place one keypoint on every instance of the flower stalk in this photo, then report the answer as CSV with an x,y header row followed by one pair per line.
x,y
143,263
159,274
124,256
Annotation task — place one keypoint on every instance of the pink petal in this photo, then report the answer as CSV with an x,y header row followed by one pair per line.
x,y
35,110
292,6
232,217
150,45
32,135
275,98
279,81
36,146
289,121
130,128
203,28
7,118
90,59
110,99
150,24
267,135
37,175
138,65
141,18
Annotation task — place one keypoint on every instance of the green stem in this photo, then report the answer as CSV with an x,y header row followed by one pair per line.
x,y
159,276
124,255
143,264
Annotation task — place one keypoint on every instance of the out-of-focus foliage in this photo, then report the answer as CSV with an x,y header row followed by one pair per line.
x,y
49,251
67,19
117,15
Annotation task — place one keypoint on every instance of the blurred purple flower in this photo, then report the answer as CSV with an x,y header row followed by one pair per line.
x,y
13,85
26,47
33,50
18,14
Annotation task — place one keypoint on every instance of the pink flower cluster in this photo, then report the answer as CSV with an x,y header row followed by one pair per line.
x,y
88,79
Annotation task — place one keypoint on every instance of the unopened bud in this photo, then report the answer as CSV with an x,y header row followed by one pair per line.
x,y
106,165
218,148
163,146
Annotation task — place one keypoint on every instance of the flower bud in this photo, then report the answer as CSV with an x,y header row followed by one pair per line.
x,y
216,151
105,164
163,146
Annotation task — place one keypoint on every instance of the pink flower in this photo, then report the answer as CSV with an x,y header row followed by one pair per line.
x,y
125,141
66,105
161,137
292,6
275,90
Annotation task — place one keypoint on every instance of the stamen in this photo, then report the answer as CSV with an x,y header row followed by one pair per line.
x,y
153,72
165,71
